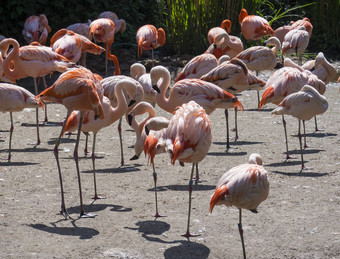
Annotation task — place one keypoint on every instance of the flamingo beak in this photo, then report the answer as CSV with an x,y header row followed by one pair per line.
x,y
130,117
155,87
131,102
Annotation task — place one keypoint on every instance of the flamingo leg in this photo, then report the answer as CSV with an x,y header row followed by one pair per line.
x,y
241,233
76,159
304,135
86,143
227,126
63,210
96,196
155,182
37,113
197,177
45,86
258,93
300,140
187,234
10,137
316,125
121,142
152,57
106,59
236,130
286,138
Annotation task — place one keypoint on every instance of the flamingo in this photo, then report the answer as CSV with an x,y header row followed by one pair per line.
x,y
14,98
77,89
295,41
90,124
244,186
109,85
213,32
282,31
148,37
188,139
285,81
138,72
260,58
230,45
36,29
32,61
71,45
233,77
303,105
103,30
120,24
206,94
254,27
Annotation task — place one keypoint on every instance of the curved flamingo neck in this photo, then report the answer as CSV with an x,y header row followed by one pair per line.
x,y
121,108
113,58
11,60
161,100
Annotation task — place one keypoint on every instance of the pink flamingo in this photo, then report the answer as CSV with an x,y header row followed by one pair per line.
x,y
111,115
188,139
32,61
230,45
206,94
103,30
213,32
120,24
77,89
284,82
303,105
254,27
244,186
14,98
295,41
282,31
36,29
148,37
109,85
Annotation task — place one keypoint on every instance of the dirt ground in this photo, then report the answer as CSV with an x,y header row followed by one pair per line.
x,y
300,218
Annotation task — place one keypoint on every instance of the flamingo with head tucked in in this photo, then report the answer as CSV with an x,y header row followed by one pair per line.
x,y
36,29
120,24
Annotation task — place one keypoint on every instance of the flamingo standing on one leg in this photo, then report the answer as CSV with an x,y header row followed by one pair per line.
x,y
32,61
282,31
120,24
254,27
14,98
302,105
36,29
90,124
245,187
295,41
103,30
206,94
148,37
188,139
77,89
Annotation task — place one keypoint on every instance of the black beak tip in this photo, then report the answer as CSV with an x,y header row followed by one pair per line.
x,y
131,102
147,131
155,87
96,117
135,157
130,119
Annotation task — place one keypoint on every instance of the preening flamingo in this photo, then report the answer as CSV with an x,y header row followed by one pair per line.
x,y
138,72
14,98
103,30
295,41
36,29
148,37
77,89
32,61
303,105
213,32
244,186
285,81
111,115
120,24
71,45
282,31
229,45
206,94
254,27
109,85
233,77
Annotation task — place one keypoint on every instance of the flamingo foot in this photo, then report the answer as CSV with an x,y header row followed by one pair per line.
x,y
122,162
196,179
187,235
158,216
305,146
65,213
289,157
98,197
87,215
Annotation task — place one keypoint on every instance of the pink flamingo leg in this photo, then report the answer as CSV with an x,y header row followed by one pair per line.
x,y
96,196
241,233
300,140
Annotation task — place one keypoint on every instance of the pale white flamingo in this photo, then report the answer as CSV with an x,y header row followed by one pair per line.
x,y
282,31
111,115
229,45
188,139
303,105
254,27
148,37
14,98
206,94
32,61
213,32
77,89
120,24
103,30
244,186
36,29
295,41
109,85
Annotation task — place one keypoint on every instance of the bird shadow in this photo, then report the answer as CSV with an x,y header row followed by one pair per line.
x,y
184,187
257,110
301,173
239,143
187,250
82,232
319,135
95,207
227,153
6,163
117,170
62,141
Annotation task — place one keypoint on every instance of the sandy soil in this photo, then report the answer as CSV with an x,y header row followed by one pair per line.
x,y
300,218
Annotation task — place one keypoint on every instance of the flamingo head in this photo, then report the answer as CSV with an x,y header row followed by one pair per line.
x,y
243,14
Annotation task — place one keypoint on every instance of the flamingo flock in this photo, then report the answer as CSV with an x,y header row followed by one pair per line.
x,y
212,80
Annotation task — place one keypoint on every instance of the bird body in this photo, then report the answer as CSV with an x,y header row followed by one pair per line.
x,y
213,32
81,29
148,37
120,24
254,27
229,45
36,29
282,31
295,41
